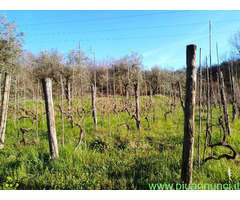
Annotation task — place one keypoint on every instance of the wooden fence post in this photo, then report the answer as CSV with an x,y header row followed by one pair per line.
x,y
189,115
94,108
0,86
52,136
4,108
137,107
224,104
62,102
69,95
232,82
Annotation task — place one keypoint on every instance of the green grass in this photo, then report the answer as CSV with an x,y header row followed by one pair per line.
x,y
111,158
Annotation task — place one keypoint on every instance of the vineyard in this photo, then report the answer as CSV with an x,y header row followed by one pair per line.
x,y
77,124
125,142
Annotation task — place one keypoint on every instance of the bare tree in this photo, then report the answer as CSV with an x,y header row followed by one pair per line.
x,y
235,42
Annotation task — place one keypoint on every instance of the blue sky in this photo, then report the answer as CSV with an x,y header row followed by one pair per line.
x,y
160,36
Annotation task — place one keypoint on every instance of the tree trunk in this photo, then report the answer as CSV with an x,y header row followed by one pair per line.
x,y
4,109
189,115
52,136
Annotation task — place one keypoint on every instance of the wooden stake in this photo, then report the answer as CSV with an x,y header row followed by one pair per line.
x,y
82,102
189,115
15,105
137,108
208,107
38,88
62,102
94,108
200,103
234,107
52,135
225,106
0,86
107,81
4,108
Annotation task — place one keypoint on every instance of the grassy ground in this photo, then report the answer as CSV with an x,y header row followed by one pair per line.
x,y
111,157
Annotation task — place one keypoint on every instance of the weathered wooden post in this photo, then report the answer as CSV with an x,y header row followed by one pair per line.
x,y
37,98
94,108
232,82
0,86
69,95
234,106
127,95
224,104
52,136
200,105
137,107
189,115
4,109
62,102
151,95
